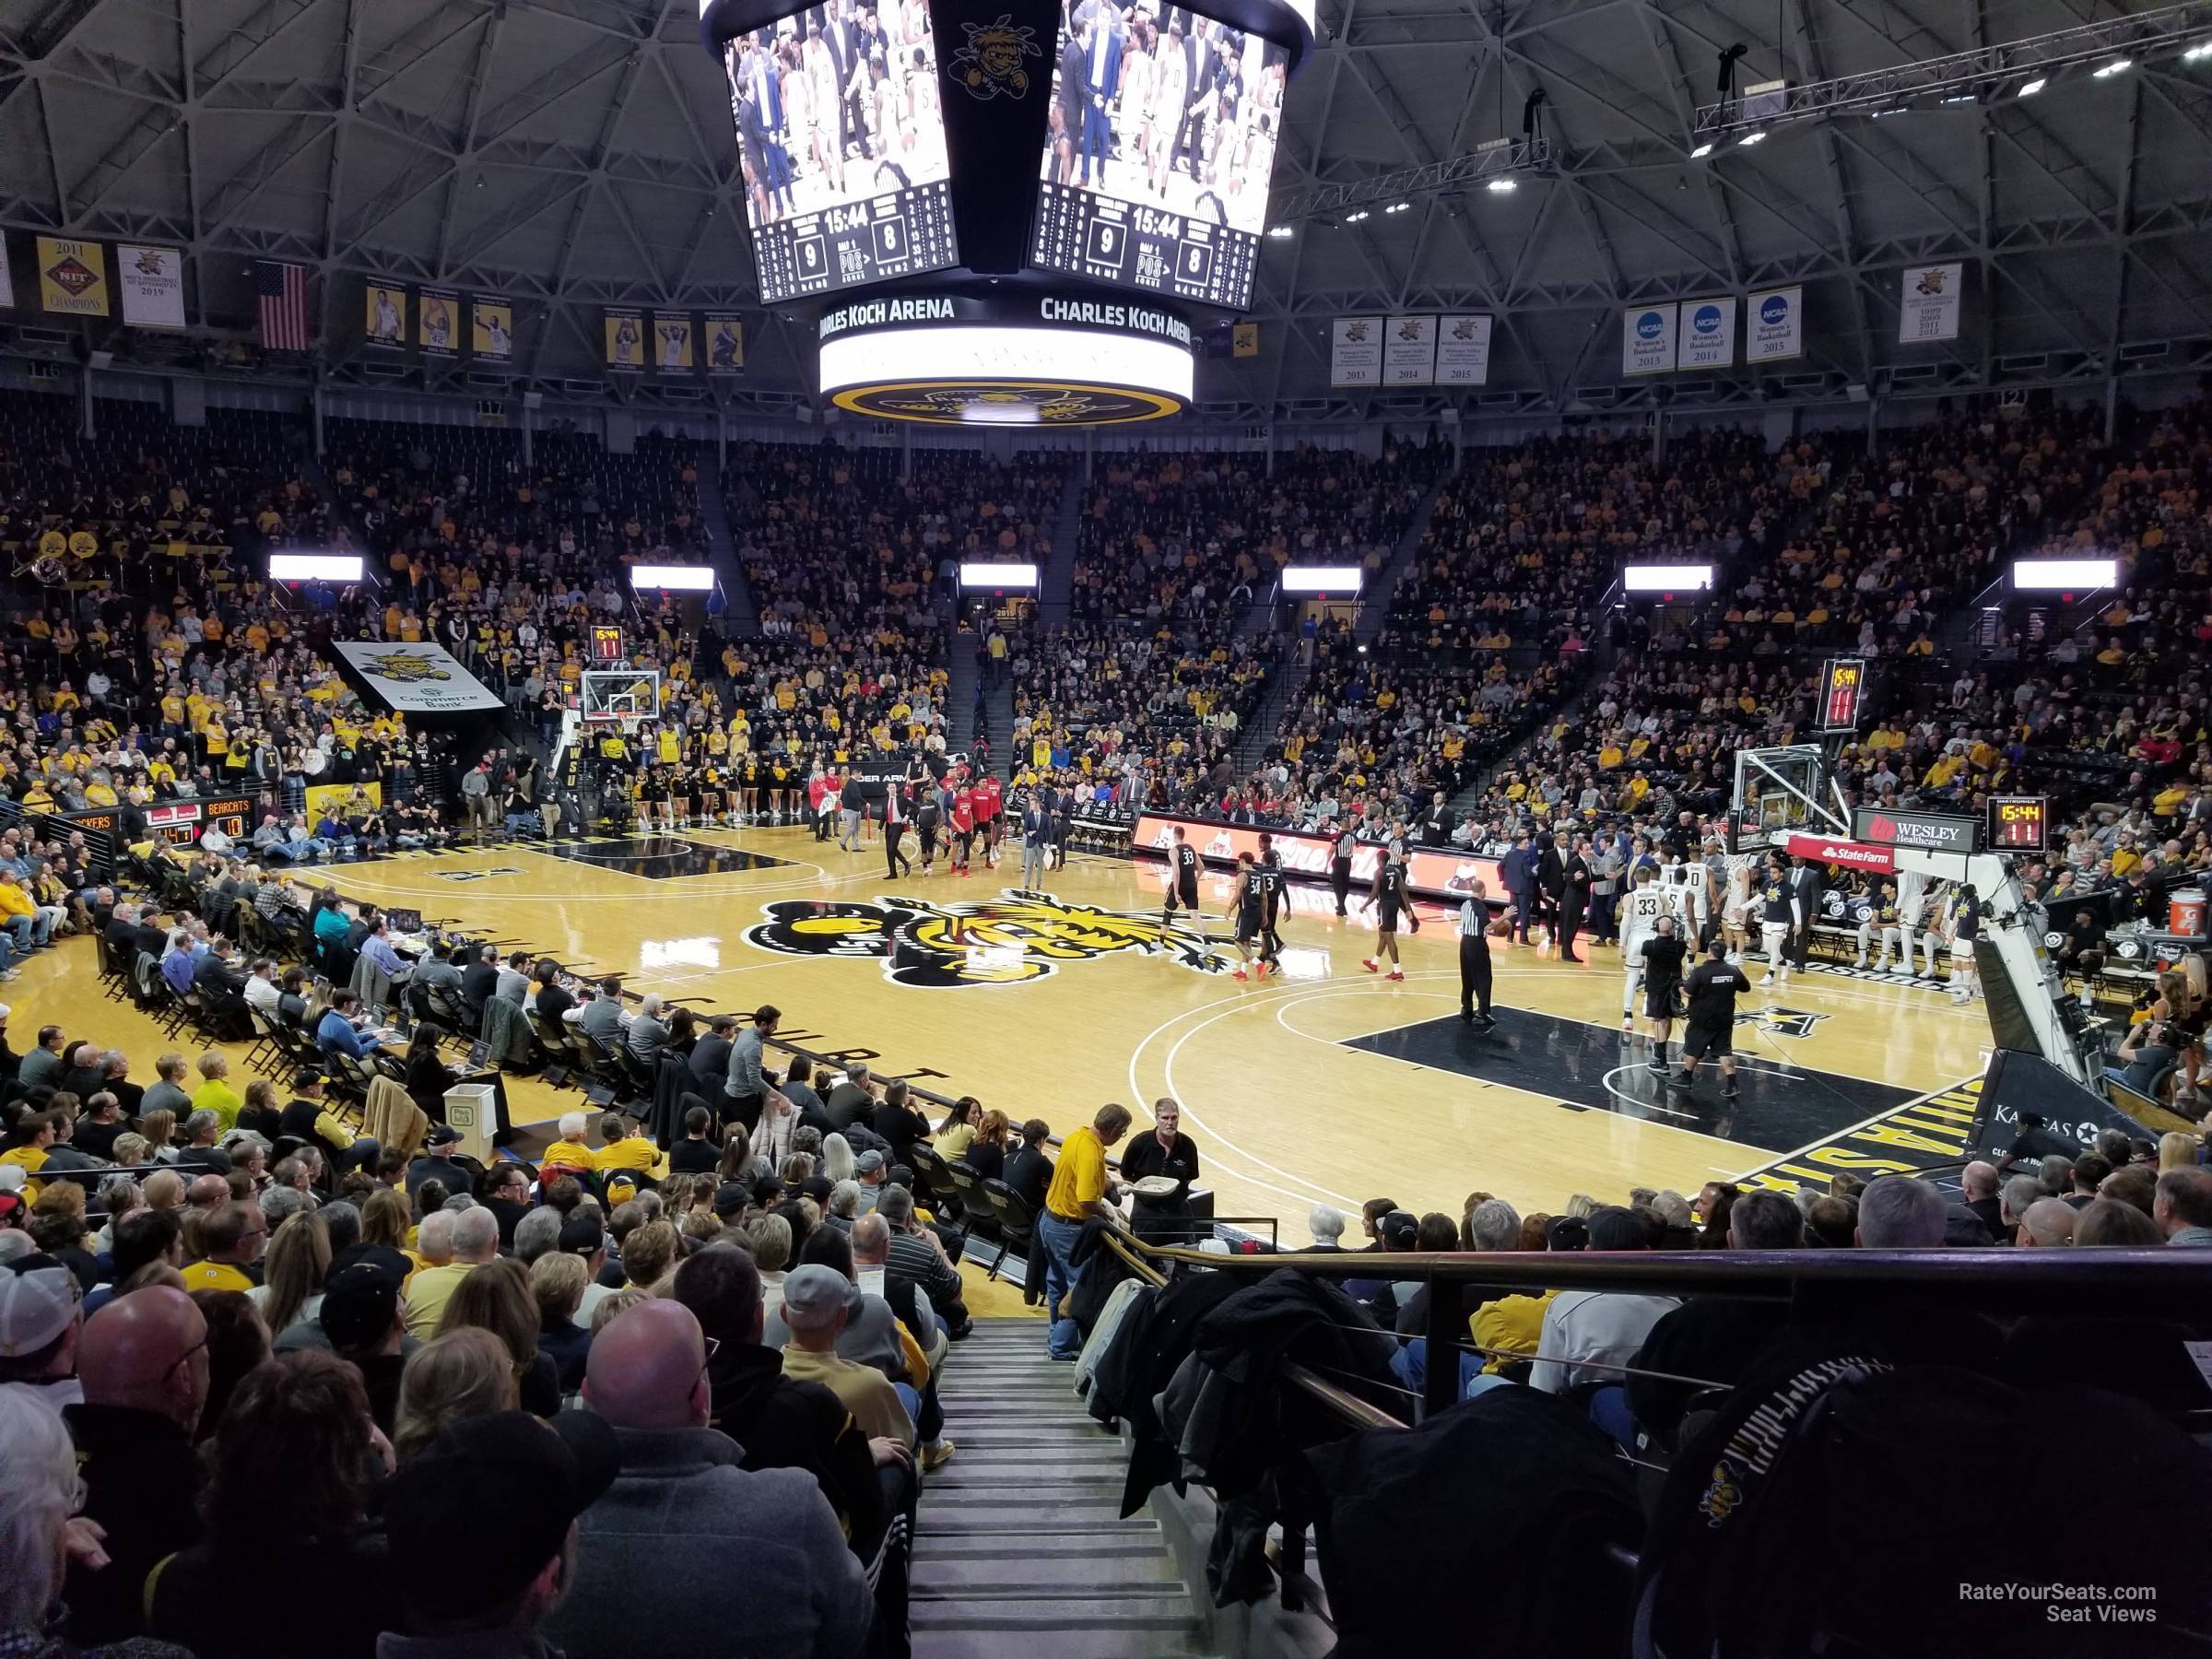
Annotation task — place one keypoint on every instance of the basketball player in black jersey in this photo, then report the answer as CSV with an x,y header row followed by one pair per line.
x,y
1183,879
1272,883
1389,898
1244,905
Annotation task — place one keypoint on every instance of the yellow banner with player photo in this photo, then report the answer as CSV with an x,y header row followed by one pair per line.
x,y
625,339
671,344
438,321
491,329
726,344
1244,340
73,277
348,800
384,315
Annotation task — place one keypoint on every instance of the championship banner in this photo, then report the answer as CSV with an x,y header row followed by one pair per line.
x,y
1410,352
384,315
1647,339
1462,351
1928,304
152,281
7,281
1244,340
1432,872
726,344
438,323
1356,351
625,339
73,277
348,800
1776,327
491,330
671,344
1708,335
418,677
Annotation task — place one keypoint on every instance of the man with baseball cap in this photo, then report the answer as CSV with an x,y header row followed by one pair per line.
x,y
363,1320
433,1164
683,1497
817,1303
511,1487
39,1327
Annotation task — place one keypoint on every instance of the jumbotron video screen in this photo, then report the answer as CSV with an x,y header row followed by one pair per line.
x,y
842,142
1158,150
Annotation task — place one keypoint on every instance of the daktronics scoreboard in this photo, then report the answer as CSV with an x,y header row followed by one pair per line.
x,y
1159,148
2019,823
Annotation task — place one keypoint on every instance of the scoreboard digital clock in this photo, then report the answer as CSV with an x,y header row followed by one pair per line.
x,y
2019,823
1843,693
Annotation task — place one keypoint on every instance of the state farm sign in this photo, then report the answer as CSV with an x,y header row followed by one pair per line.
x,y
1848,855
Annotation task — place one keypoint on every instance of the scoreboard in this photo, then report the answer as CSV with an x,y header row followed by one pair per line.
x,y
1177,255
851,244
1843,693
2019,823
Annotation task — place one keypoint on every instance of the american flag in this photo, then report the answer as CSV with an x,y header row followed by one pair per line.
x,y
283,291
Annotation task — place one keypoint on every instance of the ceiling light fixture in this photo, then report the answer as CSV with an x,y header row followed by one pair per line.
x,y
1398,207
1353,218
1750,139
1502,186
1279,231
2198,52
1701,152
2117,66
2029,89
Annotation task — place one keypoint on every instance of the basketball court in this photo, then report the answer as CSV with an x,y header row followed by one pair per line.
x,y
1325,1084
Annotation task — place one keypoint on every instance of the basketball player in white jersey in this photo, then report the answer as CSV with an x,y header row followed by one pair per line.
x,y
1687,899
1640,909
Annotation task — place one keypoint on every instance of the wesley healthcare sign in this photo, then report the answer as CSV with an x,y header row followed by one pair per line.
x,y
419,678
1921,832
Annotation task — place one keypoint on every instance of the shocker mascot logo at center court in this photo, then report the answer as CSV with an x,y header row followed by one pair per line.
x,y
1010,940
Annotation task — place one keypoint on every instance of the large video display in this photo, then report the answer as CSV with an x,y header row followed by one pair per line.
x,y
841,142
1158,150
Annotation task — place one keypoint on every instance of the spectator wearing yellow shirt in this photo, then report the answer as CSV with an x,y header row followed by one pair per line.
x,y
34,1139
626,1148
571,1151
215,1093
1079,1192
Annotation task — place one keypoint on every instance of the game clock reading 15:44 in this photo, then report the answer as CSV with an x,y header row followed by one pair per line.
x,y
2019,823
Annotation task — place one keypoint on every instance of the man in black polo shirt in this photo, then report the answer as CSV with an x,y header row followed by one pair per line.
x,y
1713,986
695,1154
434,1165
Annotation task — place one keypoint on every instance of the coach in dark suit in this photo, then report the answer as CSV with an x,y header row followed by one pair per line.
x,y
1101,81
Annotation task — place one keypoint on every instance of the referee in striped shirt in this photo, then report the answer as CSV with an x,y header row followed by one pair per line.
x,y
1474,957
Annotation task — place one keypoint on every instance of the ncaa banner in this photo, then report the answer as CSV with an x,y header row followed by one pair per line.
x,y
1708,335
671,344
1775,328
726,344
625,339
418,677
152,281
384,315
1356,351
1928,305
491,330
1463,351
1647,339
1410,352
73,277
438,323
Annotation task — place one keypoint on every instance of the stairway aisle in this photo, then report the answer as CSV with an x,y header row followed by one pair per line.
x,y
1056,582
742,617
1019,1549
960,691
1374,604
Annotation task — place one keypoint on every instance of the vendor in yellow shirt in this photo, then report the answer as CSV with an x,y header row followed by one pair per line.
x,y
1079,1192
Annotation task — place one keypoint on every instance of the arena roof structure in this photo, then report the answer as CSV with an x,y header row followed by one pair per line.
x,y
574,154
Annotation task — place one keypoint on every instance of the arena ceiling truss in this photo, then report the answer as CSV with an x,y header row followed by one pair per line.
x,y
571,155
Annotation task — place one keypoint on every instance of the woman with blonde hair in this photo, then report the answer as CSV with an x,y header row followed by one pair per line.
x,y
158,1128
2177,1151
164,1190
457,1374
557,1283
133,1151
293,1276
986,1154
612,1308
497,1297
386,1220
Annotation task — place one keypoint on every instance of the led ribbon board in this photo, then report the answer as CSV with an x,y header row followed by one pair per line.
x,y
1012,360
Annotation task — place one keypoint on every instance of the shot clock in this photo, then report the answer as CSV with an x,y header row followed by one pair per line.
x,y
1843,690
2019,823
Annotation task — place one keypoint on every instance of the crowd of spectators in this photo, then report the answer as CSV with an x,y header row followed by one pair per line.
x,y
1186,537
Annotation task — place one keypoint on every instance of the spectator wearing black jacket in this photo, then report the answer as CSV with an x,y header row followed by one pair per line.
x,y
898,1120
1028,1168
696,1153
